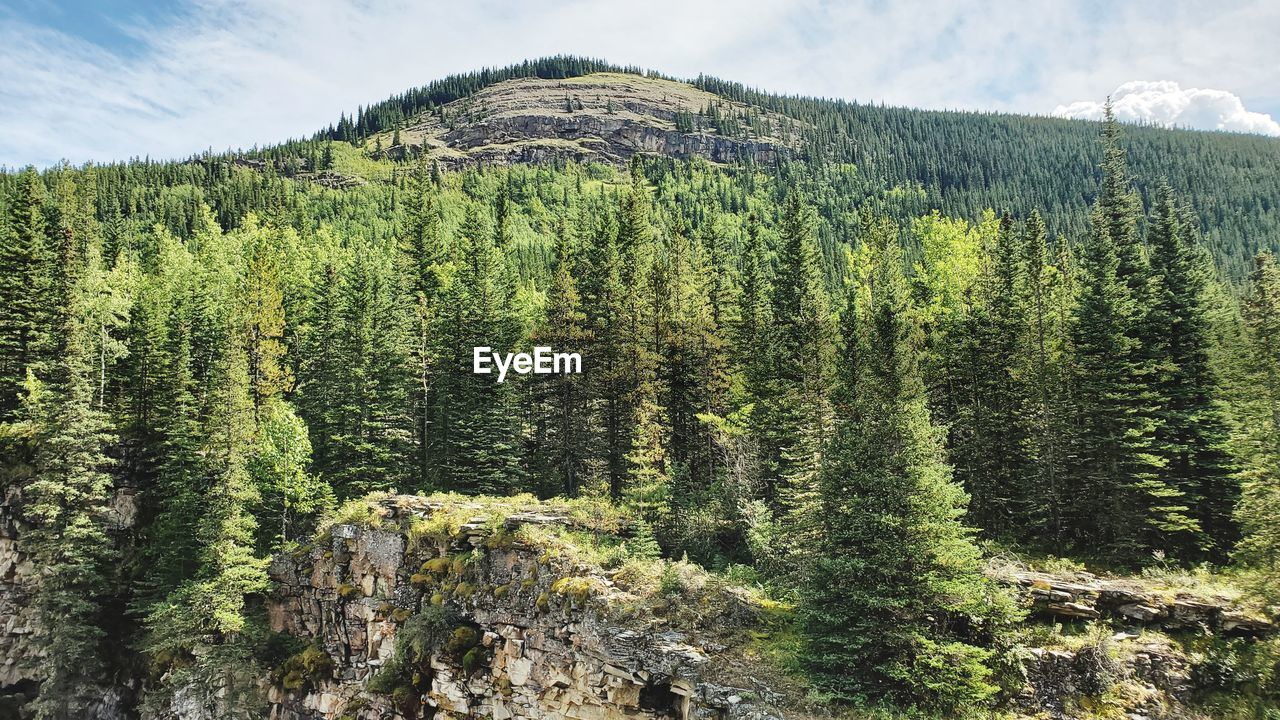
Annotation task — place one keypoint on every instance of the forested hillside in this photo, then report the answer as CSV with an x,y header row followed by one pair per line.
x,y
958,162
844,376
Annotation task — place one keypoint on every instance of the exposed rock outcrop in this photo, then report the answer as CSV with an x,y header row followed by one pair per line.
x,y
543,636
1083,596
18,648
604,117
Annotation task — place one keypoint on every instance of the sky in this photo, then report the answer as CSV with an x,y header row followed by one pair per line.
x,y
102,80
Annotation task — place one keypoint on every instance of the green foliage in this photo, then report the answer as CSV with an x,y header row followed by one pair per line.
x,y
407,673
894,555
1128,502
794,414
669,582
1235,678
69,497
304,671
1258,433
642,545
280,469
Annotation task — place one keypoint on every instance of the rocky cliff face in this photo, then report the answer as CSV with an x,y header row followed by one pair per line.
x,y
531,634
603,117
18,648
1125,657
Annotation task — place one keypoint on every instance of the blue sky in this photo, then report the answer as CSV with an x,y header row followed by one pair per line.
x,y
113,79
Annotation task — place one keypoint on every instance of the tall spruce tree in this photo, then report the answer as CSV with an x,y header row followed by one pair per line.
x,y
1043,367
642,293
426,262
896,591
1191,435
1122,504
69,500
564,443
1259,433
27,272
262,313
371,431
795,414
989,432
607,355
1124,501
693,368
480,439
754,323
178,495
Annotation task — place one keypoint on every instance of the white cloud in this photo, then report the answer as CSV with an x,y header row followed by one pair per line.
x,y
234,73
1164,102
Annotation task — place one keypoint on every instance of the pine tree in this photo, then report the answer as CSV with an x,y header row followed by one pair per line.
x,y
754,324
1259,434
371,430
896,588
1043,366
231,571
607,355
1191,435
1118,206
263,316
1125,501
989,432
795,415
1122,503
693,369
167,419
564,443
320,371
205,616
648,486
425,255
26,280
69,499
630,356
476,425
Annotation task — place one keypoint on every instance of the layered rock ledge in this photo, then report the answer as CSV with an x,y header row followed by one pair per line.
x,y
545,636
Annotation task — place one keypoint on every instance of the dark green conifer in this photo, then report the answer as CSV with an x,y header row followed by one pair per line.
x,y
895,594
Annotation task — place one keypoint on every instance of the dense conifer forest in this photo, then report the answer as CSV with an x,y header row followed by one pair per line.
x,y
848,375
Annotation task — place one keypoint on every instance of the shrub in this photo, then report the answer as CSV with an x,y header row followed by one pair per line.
x,y
461,640
577,588
417,639
472,660
670,583
947,677
304,670
643,545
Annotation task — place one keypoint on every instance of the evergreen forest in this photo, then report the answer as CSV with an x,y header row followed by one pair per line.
x,y
850,376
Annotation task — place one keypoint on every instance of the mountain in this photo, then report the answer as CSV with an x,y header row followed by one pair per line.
x,y
960,163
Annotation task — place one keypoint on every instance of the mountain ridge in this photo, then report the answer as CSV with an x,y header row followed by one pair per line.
x,y
959,163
